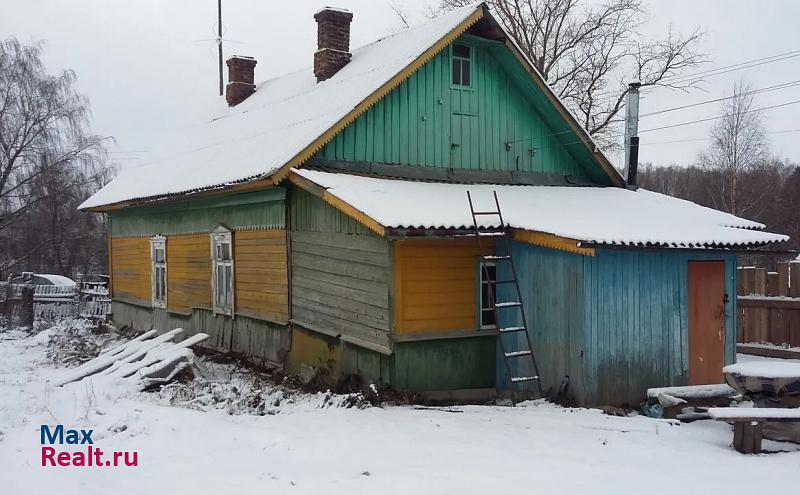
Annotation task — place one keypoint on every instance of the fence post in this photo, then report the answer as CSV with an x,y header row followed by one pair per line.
x,y
794,316
760,316
5,304
26,306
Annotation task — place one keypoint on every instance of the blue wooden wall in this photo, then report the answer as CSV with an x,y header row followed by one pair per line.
x,y
615,322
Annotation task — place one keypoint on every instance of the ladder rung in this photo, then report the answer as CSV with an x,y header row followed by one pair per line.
x,y
486,213
496,233
517,353
493,257
511,329
517,379
510,304
497,282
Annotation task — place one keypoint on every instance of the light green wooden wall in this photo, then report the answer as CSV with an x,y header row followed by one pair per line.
x,y
259,209
425,121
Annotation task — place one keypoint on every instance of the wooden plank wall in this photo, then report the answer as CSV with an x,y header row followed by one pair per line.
x,y
425,121
771,321
130,262
552,290
434,284
339,274
261,274
188,272
340,284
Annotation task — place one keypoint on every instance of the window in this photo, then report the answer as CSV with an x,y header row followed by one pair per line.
x,y
158,273
488,276
222,270
462,66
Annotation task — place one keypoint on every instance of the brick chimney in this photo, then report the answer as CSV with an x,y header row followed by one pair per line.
x,y
241,79
333,41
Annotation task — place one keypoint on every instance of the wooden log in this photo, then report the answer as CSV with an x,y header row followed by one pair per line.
x,y
747,436
771,352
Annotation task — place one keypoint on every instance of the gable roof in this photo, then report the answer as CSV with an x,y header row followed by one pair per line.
x,y
288,119
601,215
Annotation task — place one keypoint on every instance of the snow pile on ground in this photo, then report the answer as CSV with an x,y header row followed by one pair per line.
x,y
74,341
237,390
536,447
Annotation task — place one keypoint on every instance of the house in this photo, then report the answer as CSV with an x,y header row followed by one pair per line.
x,y
321,221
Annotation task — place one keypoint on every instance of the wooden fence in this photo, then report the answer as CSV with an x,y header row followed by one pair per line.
x,y
769,305
20,304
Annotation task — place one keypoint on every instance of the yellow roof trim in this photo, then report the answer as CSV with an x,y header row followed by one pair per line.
x,y
551,241
338,203
377,95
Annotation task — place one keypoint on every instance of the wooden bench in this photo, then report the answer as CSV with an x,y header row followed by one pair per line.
x,y
748,423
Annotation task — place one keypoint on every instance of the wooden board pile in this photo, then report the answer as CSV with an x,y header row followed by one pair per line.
x,y
146,360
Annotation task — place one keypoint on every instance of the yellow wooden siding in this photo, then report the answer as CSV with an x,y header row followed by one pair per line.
x,y
261,276
130,265
188,272
434,285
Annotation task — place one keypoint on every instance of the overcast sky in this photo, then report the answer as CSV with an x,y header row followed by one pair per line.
x,y
149,66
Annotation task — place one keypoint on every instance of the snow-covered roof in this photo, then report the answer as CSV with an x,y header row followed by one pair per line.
x,y
281,119
56,279
764,369
604,215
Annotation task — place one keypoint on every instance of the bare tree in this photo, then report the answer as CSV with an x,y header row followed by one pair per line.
x,y
589,54
49,160
770,190
738,147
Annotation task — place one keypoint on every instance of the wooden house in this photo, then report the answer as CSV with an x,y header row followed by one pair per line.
x,y
321,221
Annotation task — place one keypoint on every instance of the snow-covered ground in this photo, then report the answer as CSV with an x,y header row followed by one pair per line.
x,y
304,443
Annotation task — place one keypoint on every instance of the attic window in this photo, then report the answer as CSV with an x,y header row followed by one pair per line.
x,y
462,66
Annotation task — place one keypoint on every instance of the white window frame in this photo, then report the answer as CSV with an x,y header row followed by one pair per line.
x,y
158,242
461,60
219,237
481,284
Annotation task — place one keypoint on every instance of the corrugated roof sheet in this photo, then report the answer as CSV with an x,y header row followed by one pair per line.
x,y
604,215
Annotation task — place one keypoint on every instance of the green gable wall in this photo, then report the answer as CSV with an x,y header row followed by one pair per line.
x,y
426,121
261,209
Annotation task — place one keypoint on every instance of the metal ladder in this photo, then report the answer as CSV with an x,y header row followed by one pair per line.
x,y
516,350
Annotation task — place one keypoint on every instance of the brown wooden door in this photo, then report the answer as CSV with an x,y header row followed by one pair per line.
x,y
706,321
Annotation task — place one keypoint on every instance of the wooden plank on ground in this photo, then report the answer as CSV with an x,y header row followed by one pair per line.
x,y
771,352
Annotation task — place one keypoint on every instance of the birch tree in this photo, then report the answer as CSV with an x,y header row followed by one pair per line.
x,y
738,146
48,157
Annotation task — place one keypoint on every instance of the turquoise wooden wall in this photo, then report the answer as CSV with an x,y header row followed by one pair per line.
x,y
259,209
551,283
636,322
616,322
426,121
